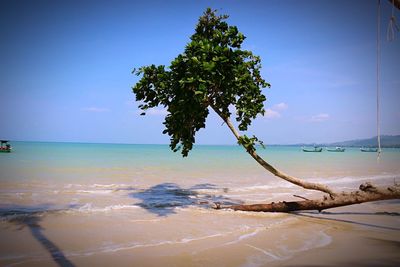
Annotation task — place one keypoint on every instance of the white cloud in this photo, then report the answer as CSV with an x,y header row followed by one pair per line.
x,y
280,106
320,117
271,114
95,109
275,111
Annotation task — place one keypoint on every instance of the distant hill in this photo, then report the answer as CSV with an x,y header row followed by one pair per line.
x,y
386,141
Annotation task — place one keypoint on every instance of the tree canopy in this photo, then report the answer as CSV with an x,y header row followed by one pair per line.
x,y
212,72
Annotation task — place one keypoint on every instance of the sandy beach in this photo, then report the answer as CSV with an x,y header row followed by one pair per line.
x,y
359,236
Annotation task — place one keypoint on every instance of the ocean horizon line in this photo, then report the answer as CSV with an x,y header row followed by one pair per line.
x,y
350,143
123,143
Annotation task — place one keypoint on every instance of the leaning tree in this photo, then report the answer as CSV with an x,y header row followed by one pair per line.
x,y
214,73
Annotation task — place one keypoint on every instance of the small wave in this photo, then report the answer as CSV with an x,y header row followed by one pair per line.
x,y
252,188
318,240
261,187
93,191
269,254
282,252
258,230
128,246
246,236
230,212
210,191
357,179
323,240
99,186
89,191
88,208
67,186
21,214
113,186
121,247
144,220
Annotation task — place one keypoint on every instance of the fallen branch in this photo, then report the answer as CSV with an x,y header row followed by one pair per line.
x,y
366,193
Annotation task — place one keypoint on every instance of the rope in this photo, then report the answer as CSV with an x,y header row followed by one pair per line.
x,y
378,66
392,27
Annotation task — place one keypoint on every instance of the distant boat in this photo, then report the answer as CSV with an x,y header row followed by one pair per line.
x,y
336,149
5,146
369,149
314,149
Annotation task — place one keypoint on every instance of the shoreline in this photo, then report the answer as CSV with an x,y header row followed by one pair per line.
x,y
299,239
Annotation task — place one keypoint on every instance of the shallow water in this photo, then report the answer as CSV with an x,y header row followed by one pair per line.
x,y
93,204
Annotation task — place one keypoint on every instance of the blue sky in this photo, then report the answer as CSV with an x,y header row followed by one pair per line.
x,y
65,72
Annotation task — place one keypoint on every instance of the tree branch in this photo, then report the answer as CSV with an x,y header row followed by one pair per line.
x,y
273,170
367,193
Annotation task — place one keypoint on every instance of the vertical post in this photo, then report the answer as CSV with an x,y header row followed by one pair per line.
x,y
378,66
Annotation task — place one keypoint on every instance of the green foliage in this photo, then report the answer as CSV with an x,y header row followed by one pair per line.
x,y
249,142
213,71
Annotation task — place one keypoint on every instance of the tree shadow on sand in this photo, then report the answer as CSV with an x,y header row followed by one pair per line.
x,y
23,216
162,199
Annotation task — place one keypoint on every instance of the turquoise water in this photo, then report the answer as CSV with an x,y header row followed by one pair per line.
x,y
80,161
99,200
100,177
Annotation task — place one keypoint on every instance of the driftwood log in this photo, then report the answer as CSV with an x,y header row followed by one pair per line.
x,y
366,193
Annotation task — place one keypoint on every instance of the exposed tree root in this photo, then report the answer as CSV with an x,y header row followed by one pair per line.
x,y
366,193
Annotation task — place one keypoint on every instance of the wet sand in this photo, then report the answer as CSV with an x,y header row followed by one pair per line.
x,y
362,235
359,235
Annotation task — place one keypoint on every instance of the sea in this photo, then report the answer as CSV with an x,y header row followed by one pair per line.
x,y
84,204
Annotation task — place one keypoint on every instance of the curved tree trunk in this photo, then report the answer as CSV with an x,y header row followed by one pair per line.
x,y
273,170
367,193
